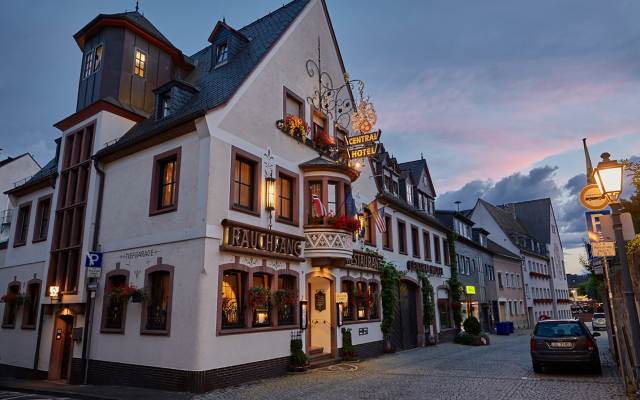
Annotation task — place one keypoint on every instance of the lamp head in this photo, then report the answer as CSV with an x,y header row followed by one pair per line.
x,y
608,176
271,193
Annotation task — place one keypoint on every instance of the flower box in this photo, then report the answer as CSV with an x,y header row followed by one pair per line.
x,y
126,293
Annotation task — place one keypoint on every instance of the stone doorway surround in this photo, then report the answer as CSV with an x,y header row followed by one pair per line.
x,y
330,307
65,320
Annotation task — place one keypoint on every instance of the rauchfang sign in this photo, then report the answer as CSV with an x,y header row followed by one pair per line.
x,y
247,239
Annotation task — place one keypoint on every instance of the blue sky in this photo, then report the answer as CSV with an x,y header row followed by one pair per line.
x,y
489,92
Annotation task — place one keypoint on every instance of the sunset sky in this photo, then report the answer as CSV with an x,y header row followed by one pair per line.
x,y
496,95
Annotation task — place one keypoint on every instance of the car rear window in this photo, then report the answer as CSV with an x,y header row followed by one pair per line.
x,y
551,329
598,315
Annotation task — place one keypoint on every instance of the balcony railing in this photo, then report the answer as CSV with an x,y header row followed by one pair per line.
x,y
325,241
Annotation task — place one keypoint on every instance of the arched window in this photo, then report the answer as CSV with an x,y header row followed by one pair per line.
x,y
347,312
361,288
286,314
232,299
30,313
158,283
9,318
261,316
373,309
115,307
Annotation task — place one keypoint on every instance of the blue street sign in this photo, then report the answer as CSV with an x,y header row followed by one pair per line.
x,y
594,230
93,260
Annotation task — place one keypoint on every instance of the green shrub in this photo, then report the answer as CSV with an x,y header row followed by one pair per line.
x,y
464,338
296,344
299,359
348,349
472,326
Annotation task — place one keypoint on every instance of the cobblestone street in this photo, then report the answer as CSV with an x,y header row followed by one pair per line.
x,y
448,371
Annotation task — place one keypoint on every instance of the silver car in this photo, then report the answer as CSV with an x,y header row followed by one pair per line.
x,y
598,322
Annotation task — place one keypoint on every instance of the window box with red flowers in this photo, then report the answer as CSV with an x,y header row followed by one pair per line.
x,y
323,142
342,222
124,293
15,300
259,299
315,220
442,302
295,127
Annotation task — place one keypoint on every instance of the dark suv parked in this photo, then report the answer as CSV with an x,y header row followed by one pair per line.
x,y
564,342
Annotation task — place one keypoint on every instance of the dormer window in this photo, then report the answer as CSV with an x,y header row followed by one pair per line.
x,y
395,188
387,182
165,101
483,240
141,63
98,62
409,193
87,64
221,52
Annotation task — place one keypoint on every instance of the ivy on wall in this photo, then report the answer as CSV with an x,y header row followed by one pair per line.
x,y
455,287
428,308
389,278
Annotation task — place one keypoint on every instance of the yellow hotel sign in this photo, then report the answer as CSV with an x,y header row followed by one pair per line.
x,y
364,139
471,290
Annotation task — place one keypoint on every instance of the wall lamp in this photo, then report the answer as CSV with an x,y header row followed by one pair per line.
x,y
303,314
54,293
271,196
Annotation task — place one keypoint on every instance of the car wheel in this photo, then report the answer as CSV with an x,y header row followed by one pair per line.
x,y
537,368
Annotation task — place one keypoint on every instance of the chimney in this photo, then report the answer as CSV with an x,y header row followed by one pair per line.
x,y
511,209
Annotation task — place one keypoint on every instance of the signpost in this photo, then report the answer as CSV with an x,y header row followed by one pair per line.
x,y
591,198
363,145
603,249
93,263
594,226
342,297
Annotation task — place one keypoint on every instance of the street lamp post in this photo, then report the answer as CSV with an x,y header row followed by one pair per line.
x,y
608,177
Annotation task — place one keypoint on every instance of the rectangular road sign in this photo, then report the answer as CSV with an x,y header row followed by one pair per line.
x,y
608,234
93,260
603,249
94,272
594,228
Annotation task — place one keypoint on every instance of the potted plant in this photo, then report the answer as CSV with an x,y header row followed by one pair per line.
x,y
442,302
348,349
373,298
15,300
295,126
315,220
124,293
342,222
286,297
323,142
259,297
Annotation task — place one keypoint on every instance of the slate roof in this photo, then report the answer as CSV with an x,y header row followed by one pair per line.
x,y
217,85
9,160
573,280
446,217
497,249
409,208
510,225
132,16
414,166
536,216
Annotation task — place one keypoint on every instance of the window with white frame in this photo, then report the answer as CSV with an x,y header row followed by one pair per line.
x,y
221,52
409,193
500,284
518,279
521,307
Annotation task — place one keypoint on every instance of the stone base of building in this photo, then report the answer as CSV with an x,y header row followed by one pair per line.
x,y
369,350
12,371
446,335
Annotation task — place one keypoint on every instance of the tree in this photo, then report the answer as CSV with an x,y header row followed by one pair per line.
x,y
632,205
591,289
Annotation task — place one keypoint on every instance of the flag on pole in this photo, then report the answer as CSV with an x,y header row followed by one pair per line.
x,y
350,204
364,227
378,216
318,207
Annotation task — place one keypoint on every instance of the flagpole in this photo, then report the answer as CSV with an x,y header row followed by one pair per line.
x,y
344,201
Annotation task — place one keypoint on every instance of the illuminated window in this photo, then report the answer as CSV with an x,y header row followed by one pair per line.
x,y
98,60
167,185
285,195
141,64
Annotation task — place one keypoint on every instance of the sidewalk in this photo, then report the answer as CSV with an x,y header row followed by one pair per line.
x,y
88,392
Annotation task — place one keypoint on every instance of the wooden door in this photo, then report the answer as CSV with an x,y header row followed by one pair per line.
x,y
409,317
66,350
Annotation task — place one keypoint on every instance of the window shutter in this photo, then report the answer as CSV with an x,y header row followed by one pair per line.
x,y
293,107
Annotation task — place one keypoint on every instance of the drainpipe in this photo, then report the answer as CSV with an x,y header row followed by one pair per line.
x,y
91,303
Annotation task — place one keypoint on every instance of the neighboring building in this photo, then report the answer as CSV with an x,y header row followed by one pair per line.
x,y
475,268
163,169
511,305
546,293
13,171
414,240
540,220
